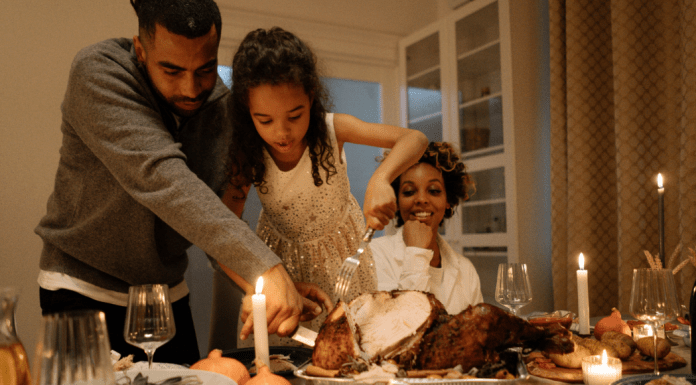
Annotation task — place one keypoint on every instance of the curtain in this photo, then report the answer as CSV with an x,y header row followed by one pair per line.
x,y
623,109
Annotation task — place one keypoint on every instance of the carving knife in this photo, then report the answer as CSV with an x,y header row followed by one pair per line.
x,y
304,336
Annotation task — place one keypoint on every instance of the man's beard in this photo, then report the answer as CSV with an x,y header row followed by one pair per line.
x,y
203,96
171,102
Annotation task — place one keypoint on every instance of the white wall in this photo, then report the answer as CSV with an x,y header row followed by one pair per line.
x,y
40,38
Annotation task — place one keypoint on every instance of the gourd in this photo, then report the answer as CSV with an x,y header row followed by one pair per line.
x,y
611,322
227,366
264,376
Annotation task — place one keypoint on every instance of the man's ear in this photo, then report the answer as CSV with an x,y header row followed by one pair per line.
x,y
139,49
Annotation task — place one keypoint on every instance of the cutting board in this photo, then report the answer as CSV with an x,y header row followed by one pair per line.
x,y
633,365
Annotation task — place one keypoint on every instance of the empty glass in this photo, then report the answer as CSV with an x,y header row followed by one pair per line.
x,y
512,289
73,348
149,318
654,300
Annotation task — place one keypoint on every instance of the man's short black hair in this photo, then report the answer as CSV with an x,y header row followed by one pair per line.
x,y
189,18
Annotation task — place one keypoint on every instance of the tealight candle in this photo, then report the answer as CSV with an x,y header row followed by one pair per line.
x,y
260,324
601,370
583,299
642,331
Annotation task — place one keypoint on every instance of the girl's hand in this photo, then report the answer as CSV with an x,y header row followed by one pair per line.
x,y
284,304
314,299
417,234
380,204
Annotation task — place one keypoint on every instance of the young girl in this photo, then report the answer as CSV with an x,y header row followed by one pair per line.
x,y
290,147
416,257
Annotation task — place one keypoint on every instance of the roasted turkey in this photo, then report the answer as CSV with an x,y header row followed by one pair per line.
x,y
413,329
381,325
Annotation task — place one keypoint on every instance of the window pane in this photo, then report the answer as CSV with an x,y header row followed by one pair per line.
x,y
423,55
481,124
477,29
490,184
486,264
486,218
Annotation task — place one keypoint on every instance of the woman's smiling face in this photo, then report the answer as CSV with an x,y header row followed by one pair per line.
x,y
422,195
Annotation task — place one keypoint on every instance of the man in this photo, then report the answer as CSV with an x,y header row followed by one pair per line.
x,y
145,135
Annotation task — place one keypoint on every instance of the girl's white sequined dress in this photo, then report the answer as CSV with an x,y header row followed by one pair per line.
x,y
313,229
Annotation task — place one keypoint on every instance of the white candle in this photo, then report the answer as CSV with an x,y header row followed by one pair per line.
x,y
661,215
601,370
260,324
583,298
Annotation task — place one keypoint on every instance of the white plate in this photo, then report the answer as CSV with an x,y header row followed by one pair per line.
x,y
153,375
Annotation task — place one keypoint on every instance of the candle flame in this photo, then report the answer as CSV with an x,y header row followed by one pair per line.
x,y
581,261
259,285
659,180
604,358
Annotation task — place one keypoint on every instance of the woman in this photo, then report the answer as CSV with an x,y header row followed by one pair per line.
x,y
417,257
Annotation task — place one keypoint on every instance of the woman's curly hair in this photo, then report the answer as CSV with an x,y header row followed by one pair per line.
x,y
445,158
275,57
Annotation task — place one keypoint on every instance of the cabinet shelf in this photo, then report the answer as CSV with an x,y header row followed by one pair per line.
x,y
424,77
482,99
483,202
489,151
480,63
485,47
421,119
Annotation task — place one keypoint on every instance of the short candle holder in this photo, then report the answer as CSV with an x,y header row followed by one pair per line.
x,y
642,331
601,370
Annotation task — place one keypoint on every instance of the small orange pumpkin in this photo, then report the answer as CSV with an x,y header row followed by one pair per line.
x,y
611,322
264,376
227,366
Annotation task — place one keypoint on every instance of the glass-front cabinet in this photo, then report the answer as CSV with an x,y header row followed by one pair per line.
x,y
424,87
457,74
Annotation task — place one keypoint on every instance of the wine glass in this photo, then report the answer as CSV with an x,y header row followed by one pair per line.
x,y
512,289
149,318
73,348
654,300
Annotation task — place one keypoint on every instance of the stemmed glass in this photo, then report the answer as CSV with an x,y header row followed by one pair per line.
x,y
149,318
512,289
73,348
654,300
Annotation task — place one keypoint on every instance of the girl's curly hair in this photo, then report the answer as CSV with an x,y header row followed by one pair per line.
x,y
445,158
275,57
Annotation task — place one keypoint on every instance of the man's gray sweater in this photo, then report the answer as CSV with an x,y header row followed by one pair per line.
x,y
133,191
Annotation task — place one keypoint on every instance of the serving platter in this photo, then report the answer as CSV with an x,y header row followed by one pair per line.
x,y
299,356
522,375
157,375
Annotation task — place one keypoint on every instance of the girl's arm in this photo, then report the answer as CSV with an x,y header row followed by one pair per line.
x,y
407,147
235,198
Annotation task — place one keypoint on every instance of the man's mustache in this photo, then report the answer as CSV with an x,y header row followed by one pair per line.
x,y
202,96
185,99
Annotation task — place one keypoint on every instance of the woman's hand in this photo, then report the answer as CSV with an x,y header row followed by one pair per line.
x,y
417,234
380,203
